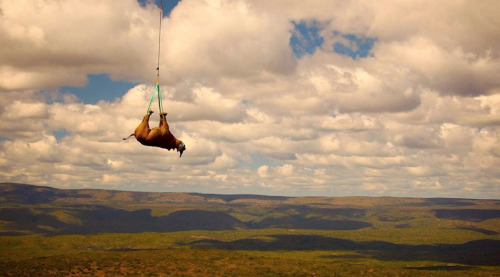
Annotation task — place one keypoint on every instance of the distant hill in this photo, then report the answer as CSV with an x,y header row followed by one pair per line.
x,y
30,194
27,209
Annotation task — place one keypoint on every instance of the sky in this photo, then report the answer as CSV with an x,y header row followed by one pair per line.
x,y
283,97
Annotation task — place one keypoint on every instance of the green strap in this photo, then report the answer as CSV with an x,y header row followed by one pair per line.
x,y
150,102
160,104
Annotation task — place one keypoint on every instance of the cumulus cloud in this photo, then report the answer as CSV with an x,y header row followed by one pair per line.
x,y
220,38
452,71
53,43
419,115
450,44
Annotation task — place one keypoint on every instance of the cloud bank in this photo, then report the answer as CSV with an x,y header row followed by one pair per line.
x,y
389,98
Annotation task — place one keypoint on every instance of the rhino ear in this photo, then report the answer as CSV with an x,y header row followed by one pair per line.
x,y
181,148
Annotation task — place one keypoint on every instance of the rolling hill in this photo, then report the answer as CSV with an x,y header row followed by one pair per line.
x,y
27,209
46,231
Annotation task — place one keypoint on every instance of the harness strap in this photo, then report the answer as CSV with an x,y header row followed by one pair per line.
x,y
160,104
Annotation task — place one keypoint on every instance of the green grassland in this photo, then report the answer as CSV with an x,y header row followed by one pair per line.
x,y
50,232
174,254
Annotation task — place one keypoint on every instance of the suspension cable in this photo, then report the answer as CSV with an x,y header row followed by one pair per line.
x,y
159,39
160,104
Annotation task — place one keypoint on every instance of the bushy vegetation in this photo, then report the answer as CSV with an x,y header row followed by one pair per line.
x,y
179,254
50,232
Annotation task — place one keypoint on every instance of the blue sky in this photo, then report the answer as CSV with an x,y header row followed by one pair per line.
x,y
168,5
278,98
99,87
306,38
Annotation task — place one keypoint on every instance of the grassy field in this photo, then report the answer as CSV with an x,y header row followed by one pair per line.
x,y
180,254
52,232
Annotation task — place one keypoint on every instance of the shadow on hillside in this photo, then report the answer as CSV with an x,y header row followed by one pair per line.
x,y
90,219
443,202
479,252
476,215
231,197
303,222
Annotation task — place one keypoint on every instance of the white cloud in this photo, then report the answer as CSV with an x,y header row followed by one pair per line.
x,y
220,38
53,43
19,110
447,71
262,171
419,117
207,104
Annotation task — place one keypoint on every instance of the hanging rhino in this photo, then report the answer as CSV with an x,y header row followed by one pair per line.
x,y
159,136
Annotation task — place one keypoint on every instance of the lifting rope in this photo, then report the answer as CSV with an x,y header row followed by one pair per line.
x,y
160,104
